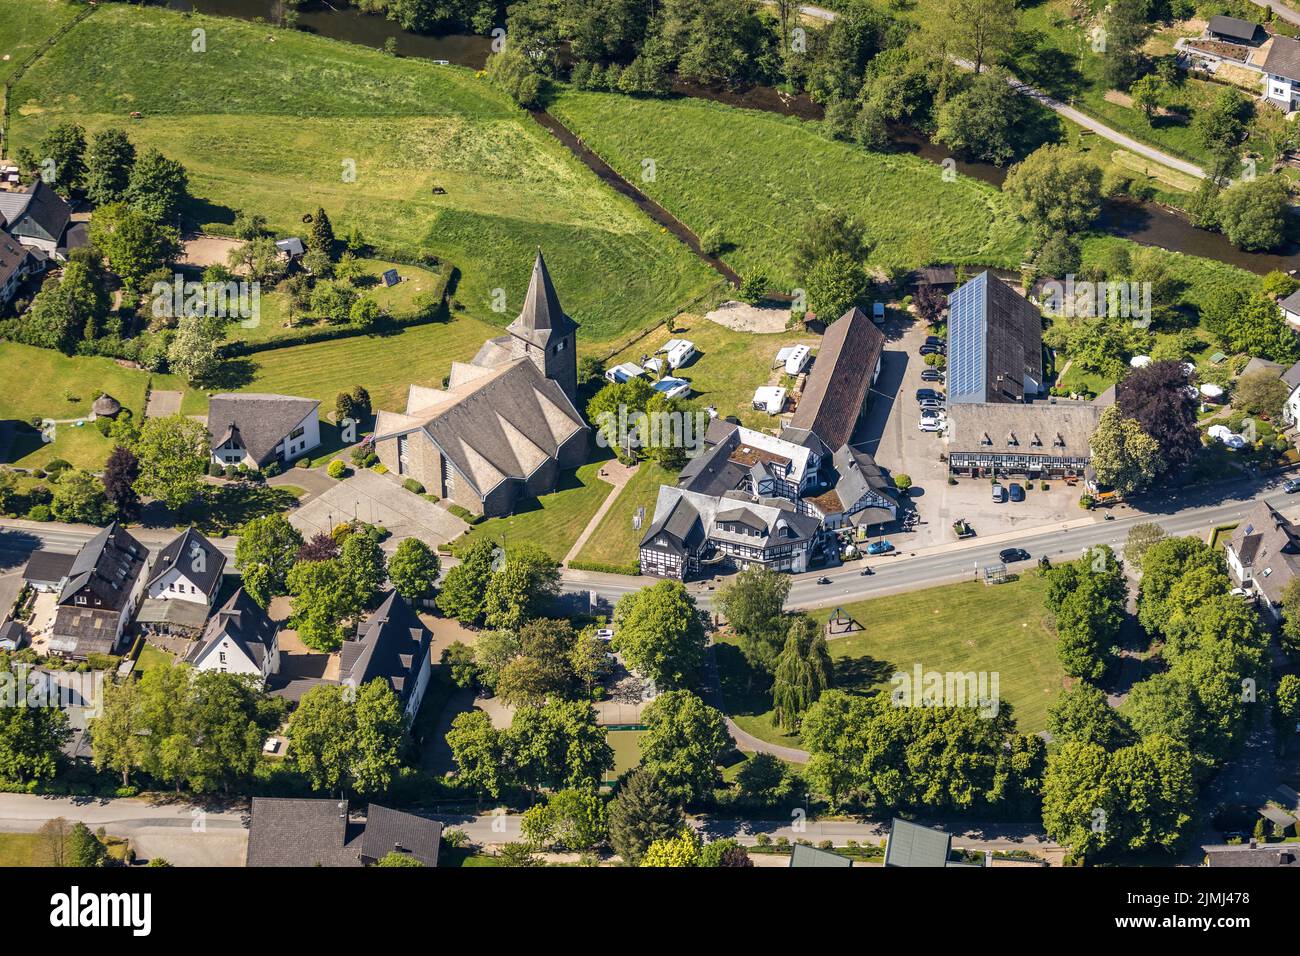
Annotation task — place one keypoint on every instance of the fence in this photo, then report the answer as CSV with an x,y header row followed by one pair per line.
x,y
35,55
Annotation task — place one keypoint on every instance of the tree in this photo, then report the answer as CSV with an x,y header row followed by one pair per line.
x,y
1057,189
1291,612
1088,597
1220,128
1082,714
227,720
983,30
377,738
108,166
479,751
764,780
521,588
679,851
513,74
463,591
362,562
640,814
753,604
724,853
413,569
120,473
1127,28
458,657
321,732
62,312
265,552
571,819
62,153
982,121
1253,212
834,284
85,850
803,671
1261,393
195,350
31,736
684,742
133,242
321,237
158,187
1147,93
173,457
1157,398
1140,538
1124,456
79,498
396,857
324,600
53,836
660,633
558,746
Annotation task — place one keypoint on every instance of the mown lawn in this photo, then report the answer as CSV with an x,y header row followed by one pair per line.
x,y
615,541
959,627
274,121
760,176
21,849
25,25
627,751
551,522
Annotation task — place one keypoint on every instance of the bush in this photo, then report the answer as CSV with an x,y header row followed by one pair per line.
x,y
215,470
336,469
231,472
413,486
633,568
39,513
302,463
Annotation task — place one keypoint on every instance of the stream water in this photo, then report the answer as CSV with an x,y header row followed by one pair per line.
x,y
1142,222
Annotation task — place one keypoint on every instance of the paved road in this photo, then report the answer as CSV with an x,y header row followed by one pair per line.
x,y
1281,9
184,834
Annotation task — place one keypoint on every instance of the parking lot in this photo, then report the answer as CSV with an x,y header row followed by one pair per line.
x,y
889,431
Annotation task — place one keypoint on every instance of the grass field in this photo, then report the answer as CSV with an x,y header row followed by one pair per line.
x,y
759,176
958,627
21,849
25,25
615,541
551,522
627,751
152,657
271,121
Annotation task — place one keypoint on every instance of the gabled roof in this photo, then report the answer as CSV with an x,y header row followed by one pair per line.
x,y
1283,60
995,342
48,566
1268,544
106,566
292,832
36,213
680,523
392,646
503,423
804,856
259,421
1292,376
1233,27
12,256
242,620
201,562
913,845
840,379
542,317
392,831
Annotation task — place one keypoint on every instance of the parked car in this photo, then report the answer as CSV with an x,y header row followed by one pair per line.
x,y
999,493
932,375
879,547
930,425
1011,555
924,393
1017,492
930,404
932,350
935,340
1291,485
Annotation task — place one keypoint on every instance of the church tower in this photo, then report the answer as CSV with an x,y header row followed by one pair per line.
x,y
544,334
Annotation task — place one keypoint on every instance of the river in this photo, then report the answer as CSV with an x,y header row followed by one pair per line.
x,y
1143,222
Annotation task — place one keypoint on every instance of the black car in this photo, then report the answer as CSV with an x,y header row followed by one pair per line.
x,y
923,393
823,580
935,340
1011,555
932,375
932,350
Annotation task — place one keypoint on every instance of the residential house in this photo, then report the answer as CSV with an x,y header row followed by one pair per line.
x,y
1042,440
859,494
910,844
48,570
738,458
835,395
1232,30
734,530
258,429
182,585
1253,855
1263,554
1281,69
39,218
239,639
15,265
506,426
320,832
1290,307
102,591
805,856
392,646
995,344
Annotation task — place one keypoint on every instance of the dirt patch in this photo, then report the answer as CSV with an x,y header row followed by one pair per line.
x,y
1242,76
1118,98
742,317
202,251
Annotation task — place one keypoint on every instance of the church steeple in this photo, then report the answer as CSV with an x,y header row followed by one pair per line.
x,y
544,333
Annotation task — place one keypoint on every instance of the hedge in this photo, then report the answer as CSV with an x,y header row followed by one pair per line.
x,y
633,569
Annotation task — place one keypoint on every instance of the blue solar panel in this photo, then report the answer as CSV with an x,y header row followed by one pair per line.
x,y
967,335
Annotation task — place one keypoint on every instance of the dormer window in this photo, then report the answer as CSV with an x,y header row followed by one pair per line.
x,y
1011,439
1058,441
986,440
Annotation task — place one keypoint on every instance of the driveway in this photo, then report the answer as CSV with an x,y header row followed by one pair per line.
x,y
378,499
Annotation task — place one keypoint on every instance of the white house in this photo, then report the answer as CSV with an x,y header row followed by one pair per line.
x,y
392,646
258,429
240,639
1263,555
182,585
1282,73
1290,307
99,595
15,265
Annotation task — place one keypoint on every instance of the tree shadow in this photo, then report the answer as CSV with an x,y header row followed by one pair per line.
x,y
746,689
861,675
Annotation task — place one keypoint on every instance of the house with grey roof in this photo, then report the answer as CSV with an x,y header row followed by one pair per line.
x,y
257,429
1042,440
910,844
182,585
995,344
239,639
319,832
48,570
1263,555
100,595
1281,68
392,646
1253,855
506,425
38,217
732,531
16,263
805,856
859,495
739,458
1232,30
835,395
